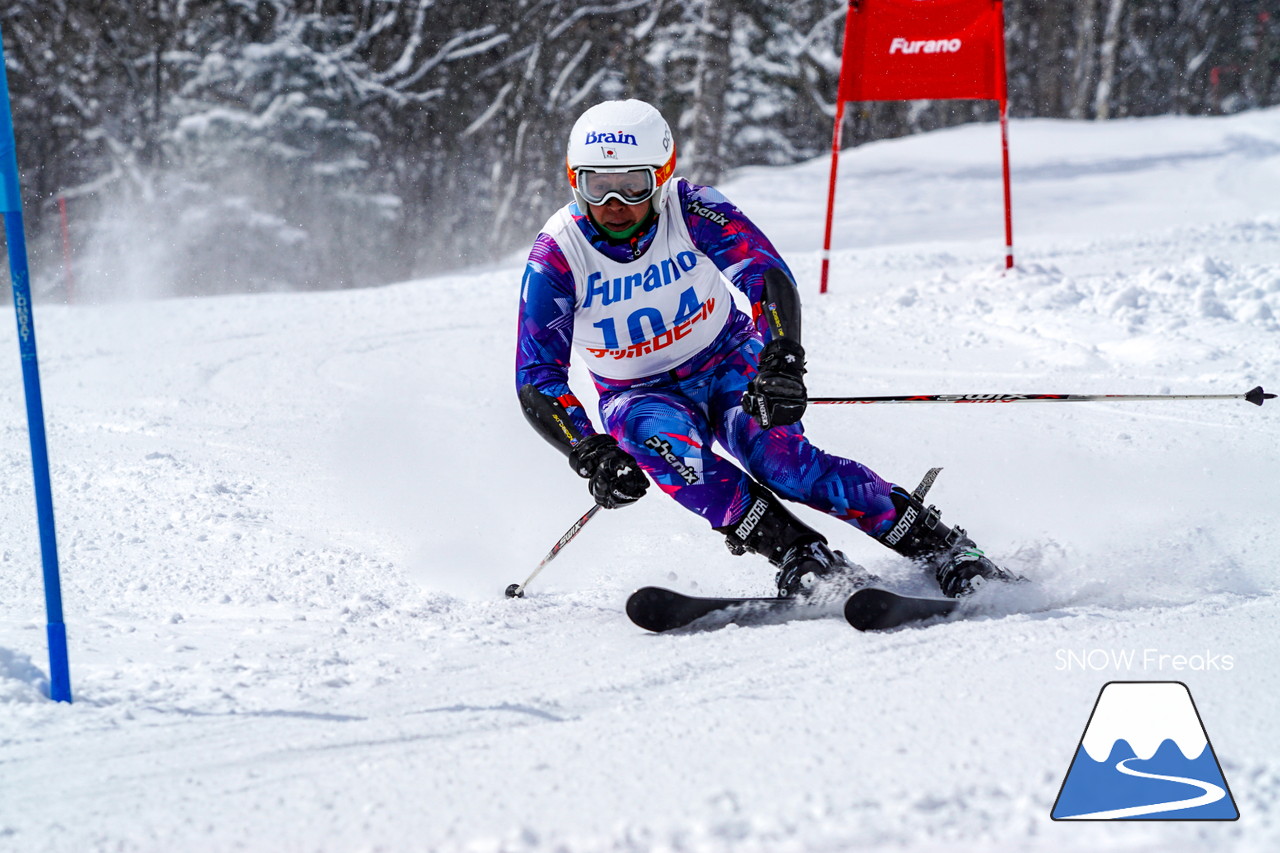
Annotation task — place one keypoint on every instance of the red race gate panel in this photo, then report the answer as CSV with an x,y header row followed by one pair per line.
x,y
905,50
901,50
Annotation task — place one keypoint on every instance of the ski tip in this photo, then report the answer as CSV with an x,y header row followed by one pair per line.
x,y
1257,396
648,608
866,609
875,609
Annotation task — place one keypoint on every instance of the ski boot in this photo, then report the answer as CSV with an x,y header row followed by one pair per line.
x,y
812,565
800,553
919,535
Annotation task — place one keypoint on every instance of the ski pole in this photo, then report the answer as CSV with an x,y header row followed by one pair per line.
x,y
1255,396
516,590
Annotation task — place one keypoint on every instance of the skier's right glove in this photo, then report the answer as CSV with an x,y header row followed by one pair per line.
x,y
615,477
776,396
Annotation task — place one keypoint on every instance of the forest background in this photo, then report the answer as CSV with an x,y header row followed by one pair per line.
x,y
214,146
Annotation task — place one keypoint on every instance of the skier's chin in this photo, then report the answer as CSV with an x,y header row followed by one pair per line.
x,y
619,217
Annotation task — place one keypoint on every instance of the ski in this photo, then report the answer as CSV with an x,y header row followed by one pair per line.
x,y
656,609
873,609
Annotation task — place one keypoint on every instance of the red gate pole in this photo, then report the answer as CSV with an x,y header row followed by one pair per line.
x,y
1008,197
66,250
831,192
1002,89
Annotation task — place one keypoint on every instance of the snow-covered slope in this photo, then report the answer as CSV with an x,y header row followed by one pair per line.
x,y
286,523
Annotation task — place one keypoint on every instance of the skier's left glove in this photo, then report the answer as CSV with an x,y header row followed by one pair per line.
x,y
615,476
776,396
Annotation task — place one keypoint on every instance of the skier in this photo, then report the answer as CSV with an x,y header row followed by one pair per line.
x,y
633,275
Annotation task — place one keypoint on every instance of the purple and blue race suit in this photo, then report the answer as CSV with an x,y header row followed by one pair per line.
x,y
671,421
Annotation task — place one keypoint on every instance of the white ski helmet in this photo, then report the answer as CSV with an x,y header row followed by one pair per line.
x,y
629,144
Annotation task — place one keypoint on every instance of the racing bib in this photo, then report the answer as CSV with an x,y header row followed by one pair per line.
x,y
649,315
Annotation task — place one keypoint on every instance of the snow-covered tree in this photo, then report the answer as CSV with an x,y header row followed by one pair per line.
x,y
242,144
269,170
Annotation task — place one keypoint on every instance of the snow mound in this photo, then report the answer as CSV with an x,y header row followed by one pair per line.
x,y
1207,287
21,682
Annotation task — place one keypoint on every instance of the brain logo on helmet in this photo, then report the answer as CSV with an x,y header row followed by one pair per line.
x,y
617,134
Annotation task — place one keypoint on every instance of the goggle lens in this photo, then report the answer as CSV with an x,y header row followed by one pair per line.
x,y
630,187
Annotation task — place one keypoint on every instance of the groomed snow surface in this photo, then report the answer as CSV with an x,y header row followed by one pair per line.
x,y
286,523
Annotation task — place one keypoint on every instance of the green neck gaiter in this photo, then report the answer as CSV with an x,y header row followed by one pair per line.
x,y
627,234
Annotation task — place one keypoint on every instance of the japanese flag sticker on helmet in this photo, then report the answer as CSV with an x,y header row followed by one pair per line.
x,y
617,134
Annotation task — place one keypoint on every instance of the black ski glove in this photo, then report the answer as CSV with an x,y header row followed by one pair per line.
x,y
776,396
615,476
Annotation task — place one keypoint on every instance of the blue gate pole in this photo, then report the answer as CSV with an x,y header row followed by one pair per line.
x,y
15,234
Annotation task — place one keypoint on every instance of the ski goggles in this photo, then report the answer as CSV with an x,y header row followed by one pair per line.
x,y
629,185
